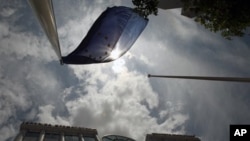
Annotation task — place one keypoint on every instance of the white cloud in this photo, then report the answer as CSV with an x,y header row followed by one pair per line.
x,y
7,132
6,12
116,105
23,44
117,97
45,115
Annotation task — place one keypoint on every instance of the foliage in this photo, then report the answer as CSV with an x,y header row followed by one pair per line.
x,y
230,17
146,7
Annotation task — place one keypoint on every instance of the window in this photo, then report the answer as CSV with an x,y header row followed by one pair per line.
x,y
71,138
89,139
31,136
51,137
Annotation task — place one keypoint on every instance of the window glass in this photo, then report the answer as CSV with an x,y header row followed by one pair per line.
x,y
71,138
31,136
89,139
51,137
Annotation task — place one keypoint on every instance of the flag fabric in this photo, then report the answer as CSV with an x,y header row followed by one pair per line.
x,y
45,14
111,36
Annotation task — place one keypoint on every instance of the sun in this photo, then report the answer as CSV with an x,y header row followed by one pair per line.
x,y
119,66
115,54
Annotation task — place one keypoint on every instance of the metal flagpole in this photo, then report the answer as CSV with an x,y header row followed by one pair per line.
x,y
233,79
45,14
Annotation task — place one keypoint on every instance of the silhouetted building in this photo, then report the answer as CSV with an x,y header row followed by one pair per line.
x,y
172,4
47,132
170,137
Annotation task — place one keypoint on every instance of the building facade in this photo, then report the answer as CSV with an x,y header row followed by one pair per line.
x,y
172,4
46,132
170,137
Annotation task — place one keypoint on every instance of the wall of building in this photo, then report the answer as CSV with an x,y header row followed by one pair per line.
x,y
47,132
170,4
170,137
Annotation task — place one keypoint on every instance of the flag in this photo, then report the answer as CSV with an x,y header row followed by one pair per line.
x,y
111,36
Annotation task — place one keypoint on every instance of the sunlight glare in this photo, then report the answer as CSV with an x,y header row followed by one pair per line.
x,y
119,66
115,54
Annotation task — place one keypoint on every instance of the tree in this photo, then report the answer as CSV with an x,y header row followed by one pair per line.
x,y
146,7
230,17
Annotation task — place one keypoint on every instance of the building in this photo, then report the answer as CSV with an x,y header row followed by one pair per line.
x,y
170,137
46,132
172,4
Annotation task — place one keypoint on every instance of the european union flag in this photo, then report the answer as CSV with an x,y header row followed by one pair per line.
x,y
111,36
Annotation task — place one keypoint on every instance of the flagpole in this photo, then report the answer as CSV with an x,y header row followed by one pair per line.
x,y
44,11
232,79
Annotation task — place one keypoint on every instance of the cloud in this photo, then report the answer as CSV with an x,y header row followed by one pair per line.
x,y
26,78
7,132
117,97
116,108
45,114
6,12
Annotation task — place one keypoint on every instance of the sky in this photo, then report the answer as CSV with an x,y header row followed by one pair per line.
x,y
118,97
